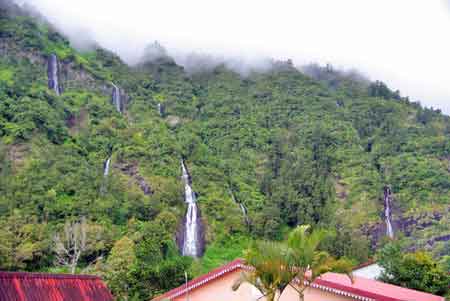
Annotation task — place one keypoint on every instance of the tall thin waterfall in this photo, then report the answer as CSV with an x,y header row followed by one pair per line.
x,y
244,213
106,167
243,209
387,211
192,229
241,205
52,74
160,109
116,100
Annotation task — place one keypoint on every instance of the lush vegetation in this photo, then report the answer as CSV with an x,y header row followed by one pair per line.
x,y
313,147
414,270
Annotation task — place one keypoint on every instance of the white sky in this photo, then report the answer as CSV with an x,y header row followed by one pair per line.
x,y
405,43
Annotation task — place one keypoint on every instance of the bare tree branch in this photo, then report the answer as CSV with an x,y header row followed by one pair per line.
x,y
69,248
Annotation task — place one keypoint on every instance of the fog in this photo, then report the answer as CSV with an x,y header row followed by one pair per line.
x,y
404,43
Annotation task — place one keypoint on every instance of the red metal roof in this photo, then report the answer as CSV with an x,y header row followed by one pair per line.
x,y
361,288
18,286
373,289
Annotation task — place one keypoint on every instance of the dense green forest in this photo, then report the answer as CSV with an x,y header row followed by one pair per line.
x,y
295,146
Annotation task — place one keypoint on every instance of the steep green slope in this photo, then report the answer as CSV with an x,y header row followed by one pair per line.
x,y
292,148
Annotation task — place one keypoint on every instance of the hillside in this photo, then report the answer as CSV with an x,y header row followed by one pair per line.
x,y
265,152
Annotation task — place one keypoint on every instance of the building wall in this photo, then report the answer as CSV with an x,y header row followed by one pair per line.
x,y
312,294
220,290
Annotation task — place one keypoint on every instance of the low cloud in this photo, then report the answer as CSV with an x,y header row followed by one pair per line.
x,y
403,43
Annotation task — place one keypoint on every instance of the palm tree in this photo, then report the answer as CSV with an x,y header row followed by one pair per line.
x,y
296,263
268,272
308,261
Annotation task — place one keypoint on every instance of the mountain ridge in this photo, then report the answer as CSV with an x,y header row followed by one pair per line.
x,y
292,148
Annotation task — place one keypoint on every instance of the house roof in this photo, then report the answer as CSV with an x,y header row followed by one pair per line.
x,y
19,286
361,288
199,281
372,289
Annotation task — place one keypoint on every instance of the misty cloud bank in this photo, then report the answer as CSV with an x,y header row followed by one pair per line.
x,y
194,62
83,39
380,38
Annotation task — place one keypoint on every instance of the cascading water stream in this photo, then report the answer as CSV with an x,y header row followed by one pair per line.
x,y
192,223
116,98
387,211
52,74
244,213
160,110
241,205
243,209
106,167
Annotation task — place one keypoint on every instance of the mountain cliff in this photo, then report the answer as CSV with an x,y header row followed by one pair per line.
x,y
84,136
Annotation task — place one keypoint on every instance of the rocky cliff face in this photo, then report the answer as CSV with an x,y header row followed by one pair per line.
x,y
411,226
75,77
72,76
131,170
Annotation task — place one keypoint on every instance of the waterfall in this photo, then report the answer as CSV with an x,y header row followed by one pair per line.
x,y
160,109
387,211
52,74
243,209
106,167
104,185
242,206
116,100
192,227
244,212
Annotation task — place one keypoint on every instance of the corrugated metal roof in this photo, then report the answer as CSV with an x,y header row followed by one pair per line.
x,y
373,289
18,286
340,284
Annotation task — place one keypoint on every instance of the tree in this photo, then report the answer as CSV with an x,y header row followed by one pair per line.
x,y
445,262
23,242
70,244
308,260
379,89
271,272
296,263
119,262
413,270
348,242
158,266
